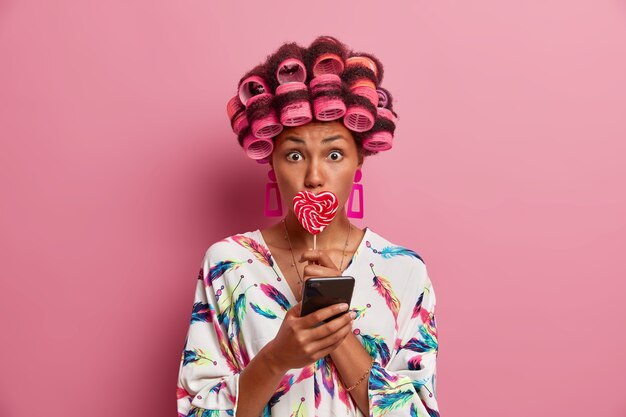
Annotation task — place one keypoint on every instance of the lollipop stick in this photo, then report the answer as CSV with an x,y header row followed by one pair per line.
x,y
314,241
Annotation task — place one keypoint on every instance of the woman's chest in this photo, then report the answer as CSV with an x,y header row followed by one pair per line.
x,y
256,300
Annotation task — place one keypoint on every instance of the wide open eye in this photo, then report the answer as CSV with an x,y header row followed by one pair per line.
x,y
290,156
335,156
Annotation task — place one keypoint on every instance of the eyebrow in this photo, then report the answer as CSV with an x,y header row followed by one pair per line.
x,y
329,139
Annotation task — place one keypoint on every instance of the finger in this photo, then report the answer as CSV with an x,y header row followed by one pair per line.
x,y
311,256
294,311
327,351
319,256
312,319
331,342
319,271
332,326
325,260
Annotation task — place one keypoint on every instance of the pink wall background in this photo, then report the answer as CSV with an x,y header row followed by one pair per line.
x,y
118,169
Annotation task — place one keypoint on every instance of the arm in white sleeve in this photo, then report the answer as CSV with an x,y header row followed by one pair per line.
x,y
209,373
406,385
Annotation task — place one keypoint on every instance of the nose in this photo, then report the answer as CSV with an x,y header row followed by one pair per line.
x,y
314,178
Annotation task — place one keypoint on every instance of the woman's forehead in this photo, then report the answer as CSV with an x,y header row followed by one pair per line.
x,y
316,131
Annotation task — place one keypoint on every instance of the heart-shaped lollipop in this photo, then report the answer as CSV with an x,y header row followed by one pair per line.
x,y
315,211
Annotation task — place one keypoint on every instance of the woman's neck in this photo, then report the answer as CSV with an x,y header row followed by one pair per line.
x,y
332,237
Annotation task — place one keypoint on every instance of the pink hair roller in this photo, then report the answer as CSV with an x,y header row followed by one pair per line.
x,y
233,106
325,82
298,112
364,62
328,64
252,87
257,148
378,141
291,70
386,113
327,108
237,114
364,86
358,118
367,89
268,125
366,92
240,123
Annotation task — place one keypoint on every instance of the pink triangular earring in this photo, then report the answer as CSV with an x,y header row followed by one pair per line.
x,y
272,185
356,188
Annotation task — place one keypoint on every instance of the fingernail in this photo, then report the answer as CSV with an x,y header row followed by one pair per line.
x,y
343,307
353,315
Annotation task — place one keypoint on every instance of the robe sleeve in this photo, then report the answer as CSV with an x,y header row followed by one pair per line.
x,y
208,379
406,385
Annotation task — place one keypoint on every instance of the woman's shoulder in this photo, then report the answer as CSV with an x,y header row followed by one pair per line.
x,y
389,250
396,259
238,243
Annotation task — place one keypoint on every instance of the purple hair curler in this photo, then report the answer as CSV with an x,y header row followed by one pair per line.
x,y
295,112
291,70
383,98
267,124
251,87
378,141
328,63
327,102
257,148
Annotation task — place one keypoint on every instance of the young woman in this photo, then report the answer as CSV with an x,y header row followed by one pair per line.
x,y
248,352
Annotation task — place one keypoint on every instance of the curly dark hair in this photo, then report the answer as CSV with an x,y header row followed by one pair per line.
x,y
272,89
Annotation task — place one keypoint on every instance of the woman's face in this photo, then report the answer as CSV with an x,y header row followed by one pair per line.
x,y
318,156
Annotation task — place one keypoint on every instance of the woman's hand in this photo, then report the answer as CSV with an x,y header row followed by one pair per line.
x,y
299,344
320,264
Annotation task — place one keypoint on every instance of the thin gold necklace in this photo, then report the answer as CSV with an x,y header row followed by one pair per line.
x,y
293,258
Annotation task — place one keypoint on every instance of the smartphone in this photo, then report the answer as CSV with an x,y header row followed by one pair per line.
x,y
320,292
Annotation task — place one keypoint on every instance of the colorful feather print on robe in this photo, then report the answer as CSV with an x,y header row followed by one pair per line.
x,y
241,303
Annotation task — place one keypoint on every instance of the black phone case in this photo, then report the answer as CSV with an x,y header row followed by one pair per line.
x,y
326,291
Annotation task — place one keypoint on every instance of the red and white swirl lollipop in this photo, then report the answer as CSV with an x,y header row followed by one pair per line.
x,y
315,211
